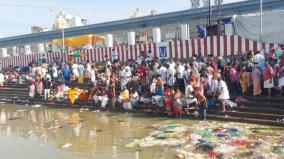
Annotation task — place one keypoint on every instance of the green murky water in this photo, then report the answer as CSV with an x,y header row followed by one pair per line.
x,y
45,133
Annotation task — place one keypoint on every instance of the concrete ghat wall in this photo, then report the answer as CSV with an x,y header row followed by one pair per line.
x,y
183,49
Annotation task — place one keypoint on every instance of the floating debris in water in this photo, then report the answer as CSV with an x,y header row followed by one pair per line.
x,y
66,145
21,110
37,106
215,140
171,135
15,118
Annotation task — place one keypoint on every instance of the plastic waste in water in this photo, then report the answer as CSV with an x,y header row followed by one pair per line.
x,y
36,106
66,145
279,149
212,154
240,143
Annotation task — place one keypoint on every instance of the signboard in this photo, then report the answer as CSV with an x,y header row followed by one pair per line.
x,y
163,51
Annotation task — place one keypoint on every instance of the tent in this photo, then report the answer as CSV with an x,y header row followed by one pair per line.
x,y
248,26
77,41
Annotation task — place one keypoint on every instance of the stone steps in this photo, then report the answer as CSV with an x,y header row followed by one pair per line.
x,y
264,105
147,111
240,114
253,115
257,110
268,110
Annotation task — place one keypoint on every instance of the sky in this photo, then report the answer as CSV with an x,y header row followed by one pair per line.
x,y
17,16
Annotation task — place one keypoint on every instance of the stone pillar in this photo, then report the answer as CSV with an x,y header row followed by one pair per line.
x,y
40,48
27,49
109,40
3,52
156,35
229,29
131,38
14,51
184,31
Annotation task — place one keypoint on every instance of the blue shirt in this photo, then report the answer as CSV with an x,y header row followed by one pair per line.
x,y
66,72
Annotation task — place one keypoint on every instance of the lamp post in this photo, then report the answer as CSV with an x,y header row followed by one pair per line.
x,y
219,17
63,40
260,36
209,17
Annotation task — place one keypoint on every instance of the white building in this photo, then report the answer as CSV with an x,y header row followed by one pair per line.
x,y
68,21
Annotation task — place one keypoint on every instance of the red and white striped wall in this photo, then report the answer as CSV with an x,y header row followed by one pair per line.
x,y
183,49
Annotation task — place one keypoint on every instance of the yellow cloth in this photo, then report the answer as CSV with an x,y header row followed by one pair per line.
x,y
72,95
124,95
77,41
243,82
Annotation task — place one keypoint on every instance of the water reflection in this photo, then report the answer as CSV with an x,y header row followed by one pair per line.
x,y
82,134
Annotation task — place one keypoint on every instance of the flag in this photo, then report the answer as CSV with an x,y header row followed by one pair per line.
x,y
201,31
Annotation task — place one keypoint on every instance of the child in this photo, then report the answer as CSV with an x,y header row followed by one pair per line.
x,y
46,86
202,105
178,103
168,100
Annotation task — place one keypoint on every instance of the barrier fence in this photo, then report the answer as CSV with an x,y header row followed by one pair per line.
x,y
181,49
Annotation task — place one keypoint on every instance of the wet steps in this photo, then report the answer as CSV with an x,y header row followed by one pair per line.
x,y
258,110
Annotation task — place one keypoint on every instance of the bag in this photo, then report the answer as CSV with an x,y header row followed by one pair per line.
x,y
127,105
158,100
230,104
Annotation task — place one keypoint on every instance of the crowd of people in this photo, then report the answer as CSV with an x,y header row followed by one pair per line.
x,y
171,85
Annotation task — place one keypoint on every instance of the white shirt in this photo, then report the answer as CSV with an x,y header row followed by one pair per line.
x,y
259,58
114,55
163,72
75,69
93,76
172,65
126,74
140,59
186,75
54,72
180,71
88,67
223,89
213,86
2,77
188,91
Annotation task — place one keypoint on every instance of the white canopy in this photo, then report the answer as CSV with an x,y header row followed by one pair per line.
x,y
248,26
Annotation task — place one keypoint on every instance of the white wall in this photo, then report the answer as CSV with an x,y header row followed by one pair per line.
x,y
131,38
156,35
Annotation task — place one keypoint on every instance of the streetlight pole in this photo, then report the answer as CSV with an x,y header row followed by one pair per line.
x,y
63,40
209,17
219,17
260,36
